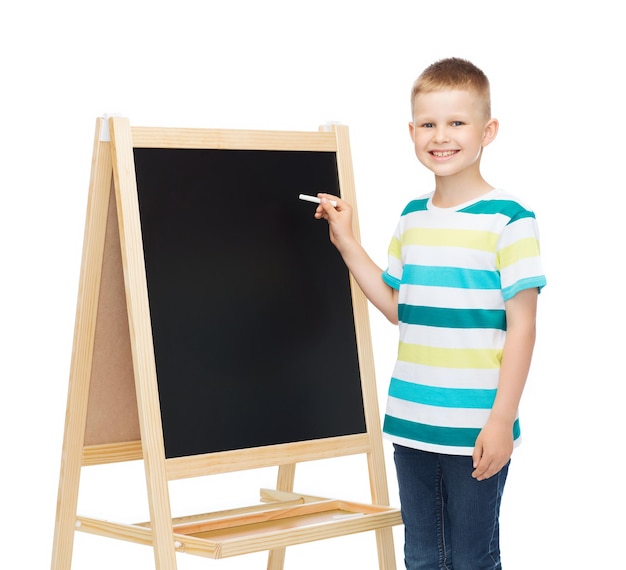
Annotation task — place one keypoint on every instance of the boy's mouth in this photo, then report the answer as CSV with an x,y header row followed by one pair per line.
x,y
443,153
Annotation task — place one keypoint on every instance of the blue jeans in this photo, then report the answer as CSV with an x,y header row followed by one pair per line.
x,y
450,518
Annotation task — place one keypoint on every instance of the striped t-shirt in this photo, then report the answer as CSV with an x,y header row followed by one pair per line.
x,y
454,269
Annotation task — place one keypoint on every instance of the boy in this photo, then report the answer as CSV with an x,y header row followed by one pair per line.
x,y
462,281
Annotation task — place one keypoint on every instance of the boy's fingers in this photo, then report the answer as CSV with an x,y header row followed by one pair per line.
x,y
477,461
326,204
327,209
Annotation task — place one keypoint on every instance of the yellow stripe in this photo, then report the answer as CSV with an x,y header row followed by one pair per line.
x,y
449,357
474,239
395,248
521,249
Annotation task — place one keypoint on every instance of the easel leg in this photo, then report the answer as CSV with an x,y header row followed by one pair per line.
x,y
286,477
386,554
80,373
380,496
63,543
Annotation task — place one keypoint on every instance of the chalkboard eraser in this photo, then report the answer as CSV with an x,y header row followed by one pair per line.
x,y
315,199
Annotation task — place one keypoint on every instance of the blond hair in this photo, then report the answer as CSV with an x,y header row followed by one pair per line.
x,y
452,73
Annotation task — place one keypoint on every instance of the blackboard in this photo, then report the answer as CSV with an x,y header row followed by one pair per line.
x,y
218,330
250,304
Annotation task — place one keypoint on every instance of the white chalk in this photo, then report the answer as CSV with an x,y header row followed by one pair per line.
x,y
316,199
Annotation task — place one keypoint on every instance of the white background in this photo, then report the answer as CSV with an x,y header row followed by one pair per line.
x,y
555,69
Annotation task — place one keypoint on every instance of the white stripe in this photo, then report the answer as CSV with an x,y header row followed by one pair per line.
x,y
459,221
448,449
522,269
454,298
448,256
436,416
443,337
481,379
520,229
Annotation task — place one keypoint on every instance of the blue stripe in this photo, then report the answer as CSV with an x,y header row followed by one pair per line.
x,y
459,437
481,399
452,318
513,210
447,436
393,282
528,283
458,277
416,206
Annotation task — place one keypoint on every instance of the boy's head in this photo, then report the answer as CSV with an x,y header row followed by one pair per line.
x,y
453,73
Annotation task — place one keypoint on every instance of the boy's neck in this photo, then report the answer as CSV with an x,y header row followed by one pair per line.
x,y
451,191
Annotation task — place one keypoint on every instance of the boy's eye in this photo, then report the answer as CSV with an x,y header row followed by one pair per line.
x,y
432,125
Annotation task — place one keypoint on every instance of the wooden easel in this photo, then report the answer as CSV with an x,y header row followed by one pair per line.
x,y
113,411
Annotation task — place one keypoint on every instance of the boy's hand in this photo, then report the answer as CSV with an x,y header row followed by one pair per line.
x,y
366,273
339,219
493,449
494,444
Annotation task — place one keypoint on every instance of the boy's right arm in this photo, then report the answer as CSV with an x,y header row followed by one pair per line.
x,y
366,273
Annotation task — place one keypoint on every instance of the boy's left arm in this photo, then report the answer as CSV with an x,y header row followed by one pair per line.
x,y
494,444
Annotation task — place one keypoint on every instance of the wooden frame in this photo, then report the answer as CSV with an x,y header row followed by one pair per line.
x,y
113,405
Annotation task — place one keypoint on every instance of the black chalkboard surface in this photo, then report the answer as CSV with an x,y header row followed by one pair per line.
x,y
250,304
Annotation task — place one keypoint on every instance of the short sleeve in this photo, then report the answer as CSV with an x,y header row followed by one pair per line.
x,y
518,256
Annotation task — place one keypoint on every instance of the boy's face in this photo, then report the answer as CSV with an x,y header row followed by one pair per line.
x,y
449,130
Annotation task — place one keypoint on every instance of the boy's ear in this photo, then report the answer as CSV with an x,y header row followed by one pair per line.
x,y
412,131
490,131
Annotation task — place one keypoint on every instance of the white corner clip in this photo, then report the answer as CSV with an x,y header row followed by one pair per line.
x,y
105,134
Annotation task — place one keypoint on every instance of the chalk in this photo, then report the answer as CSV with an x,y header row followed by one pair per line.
x,y
316,199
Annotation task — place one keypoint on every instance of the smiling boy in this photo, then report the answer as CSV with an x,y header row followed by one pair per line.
x,y
462,281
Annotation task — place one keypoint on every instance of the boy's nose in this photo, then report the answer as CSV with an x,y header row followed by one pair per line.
x,y
440,135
